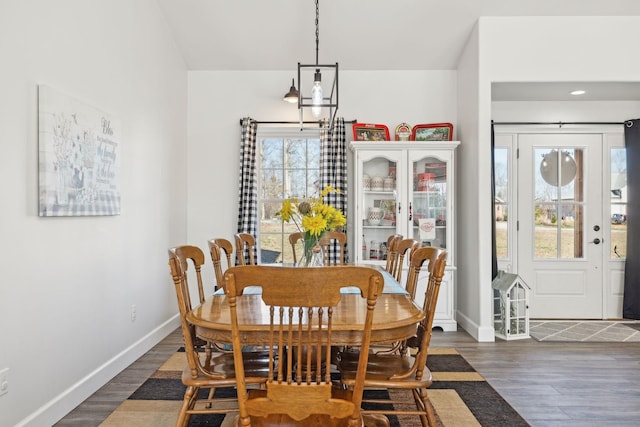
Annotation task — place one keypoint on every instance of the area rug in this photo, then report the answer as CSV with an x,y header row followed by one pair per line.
x,y
460,396
585,331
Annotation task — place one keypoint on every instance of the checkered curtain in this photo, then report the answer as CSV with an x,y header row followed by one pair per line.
x,y
248,182
333,171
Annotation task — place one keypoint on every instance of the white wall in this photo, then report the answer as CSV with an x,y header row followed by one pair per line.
x,y
527,49
474,186
218,100
68,283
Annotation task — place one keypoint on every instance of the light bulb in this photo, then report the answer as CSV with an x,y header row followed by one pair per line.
x,y
316,95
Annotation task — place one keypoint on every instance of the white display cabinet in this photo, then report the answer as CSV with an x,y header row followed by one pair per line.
x,y
406,188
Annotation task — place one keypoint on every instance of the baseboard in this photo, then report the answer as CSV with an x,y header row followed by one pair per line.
x,y
480,333
57,408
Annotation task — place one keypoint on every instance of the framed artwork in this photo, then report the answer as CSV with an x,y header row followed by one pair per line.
x,y
79,156
432,132
370,132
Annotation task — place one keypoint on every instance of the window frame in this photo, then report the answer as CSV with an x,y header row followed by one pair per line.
x,y
283,133
508,141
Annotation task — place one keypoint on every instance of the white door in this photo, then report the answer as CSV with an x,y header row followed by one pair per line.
x,y
560,224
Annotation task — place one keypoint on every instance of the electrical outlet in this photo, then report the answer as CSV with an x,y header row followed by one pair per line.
x,y
4,381
133,312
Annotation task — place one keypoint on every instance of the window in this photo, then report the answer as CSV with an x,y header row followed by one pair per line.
x,y
288,166
618,204
501,159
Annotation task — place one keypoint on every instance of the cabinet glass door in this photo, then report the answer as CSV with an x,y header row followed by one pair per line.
x,y
379,205
429,202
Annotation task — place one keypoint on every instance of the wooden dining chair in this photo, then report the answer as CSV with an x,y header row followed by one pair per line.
x,y
334,245
401,370
216,248
392,252
399,247
403,248
300,302
294,238
246,250
205,370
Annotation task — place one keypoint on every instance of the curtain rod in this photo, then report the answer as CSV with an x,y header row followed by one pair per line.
x,y
296,122
561,123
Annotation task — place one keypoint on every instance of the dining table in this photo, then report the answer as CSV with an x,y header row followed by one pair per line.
x,y
395,316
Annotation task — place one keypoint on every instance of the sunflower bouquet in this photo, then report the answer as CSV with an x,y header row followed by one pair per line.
x,y
312,217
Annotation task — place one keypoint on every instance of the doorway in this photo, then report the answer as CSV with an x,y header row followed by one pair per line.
x,y
560,222
560,232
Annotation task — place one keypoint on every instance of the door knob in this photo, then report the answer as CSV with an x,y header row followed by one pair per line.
x,y
595,241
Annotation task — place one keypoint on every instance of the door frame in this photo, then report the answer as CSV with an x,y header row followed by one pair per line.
x,y
506,136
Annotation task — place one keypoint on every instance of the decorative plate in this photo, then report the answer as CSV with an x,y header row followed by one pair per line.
x,y
370,132
403,132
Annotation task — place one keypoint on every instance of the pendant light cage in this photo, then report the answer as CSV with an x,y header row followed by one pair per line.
x,y
329,104
322,103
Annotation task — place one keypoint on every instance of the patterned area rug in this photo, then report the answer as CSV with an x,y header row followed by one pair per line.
x,y
460,395
585,331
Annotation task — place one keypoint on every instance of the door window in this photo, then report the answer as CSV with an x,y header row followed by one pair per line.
x,y
559,203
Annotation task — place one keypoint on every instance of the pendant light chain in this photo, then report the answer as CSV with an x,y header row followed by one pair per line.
x,y
317,29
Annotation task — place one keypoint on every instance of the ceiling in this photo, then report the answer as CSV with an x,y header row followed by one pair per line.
x,y
561,91
358,34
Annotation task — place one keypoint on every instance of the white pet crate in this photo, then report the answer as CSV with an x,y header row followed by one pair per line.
x,y
510,306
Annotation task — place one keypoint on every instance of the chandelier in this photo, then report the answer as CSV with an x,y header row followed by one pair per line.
x,y
321,102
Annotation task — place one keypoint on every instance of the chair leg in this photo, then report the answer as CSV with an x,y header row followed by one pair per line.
x,y
189,401
209,404
208,355
424,404
375,420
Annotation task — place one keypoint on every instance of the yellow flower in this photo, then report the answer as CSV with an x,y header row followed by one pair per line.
x,y
312,216
328,189
286,211
337,220
315,225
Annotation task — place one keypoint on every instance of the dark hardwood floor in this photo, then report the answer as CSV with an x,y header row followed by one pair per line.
x,y
549,384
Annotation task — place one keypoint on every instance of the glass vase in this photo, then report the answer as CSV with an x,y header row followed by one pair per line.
x,y
313,254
